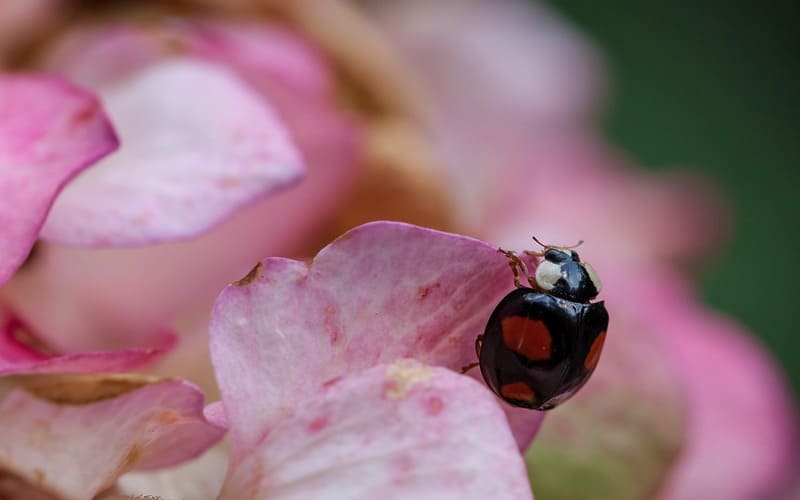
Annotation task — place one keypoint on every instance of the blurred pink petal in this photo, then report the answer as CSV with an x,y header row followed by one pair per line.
x,y
104,298
49,131
198,144
513,63
402,430
743,440
79,450
380,292
22,353
512,87
623,214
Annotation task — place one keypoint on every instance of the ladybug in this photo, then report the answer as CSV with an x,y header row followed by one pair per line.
x,y
542,342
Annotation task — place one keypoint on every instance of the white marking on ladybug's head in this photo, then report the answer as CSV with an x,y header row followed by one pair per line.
x,y
593,276
547,274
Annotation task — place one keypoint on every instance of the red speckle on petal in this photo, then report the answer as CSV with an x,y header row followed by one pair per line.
x,y
425,290
330,324
434,406
318,424
85,113
403,467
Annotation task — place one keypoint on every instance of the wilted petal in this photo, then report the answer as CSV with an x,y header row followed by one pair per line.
x,y
402,430
21,352
49,131
77,449
382,291
198,144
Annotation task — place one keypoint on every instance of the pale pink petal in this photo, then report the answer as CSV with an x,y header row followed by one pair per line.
x,y
49,131
566,187
402,430
743,438
382,291
215,412
198,479
263,50
76,451
291,62
23,353
98,299
103,298
509,62
198,144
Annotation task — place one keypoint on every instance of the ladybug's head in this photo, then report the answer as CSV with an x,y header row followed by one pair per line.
x,y
562,274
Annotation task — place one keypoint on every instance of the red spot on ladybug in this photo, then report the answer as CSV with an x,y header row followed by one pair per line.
x,y
528,337
594,352
519,391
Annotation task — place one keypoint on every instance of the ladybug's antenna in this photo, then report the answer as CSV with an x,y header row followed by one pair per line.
x,y
576,245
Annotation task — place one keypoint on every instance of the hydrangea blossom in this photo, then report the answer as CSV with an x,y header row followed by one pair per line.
x,y
340,376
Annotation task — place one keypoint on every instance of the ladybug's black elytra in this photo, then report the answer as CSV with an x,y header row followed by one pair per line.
x,y
542,343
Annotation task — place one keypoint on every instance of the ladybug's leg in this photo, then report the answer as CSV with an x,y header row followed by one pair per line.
x,y
465,369
532,253
478,343
517,265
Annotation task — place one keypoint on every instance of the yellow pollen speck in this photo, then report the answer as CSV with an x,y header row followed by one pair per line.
x,y
403,374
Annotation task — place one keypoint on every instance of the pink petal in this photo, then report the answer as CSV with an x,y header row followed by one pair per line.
x,y
110,298
76,451
402,430
198,479
49,131
512,86
621,213
743,440
198,144
512,63
382,291
22,353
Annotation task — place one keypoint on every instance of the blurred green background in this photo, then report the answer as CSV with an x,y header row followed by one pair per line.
x,y
716,86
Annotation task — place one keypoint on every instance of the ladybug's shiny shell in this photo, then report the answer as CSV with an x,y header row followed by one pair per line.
x,y
539,349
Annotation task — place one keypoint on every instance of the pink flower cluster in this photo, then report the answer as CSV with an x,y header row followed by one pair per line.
x,y
146,163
